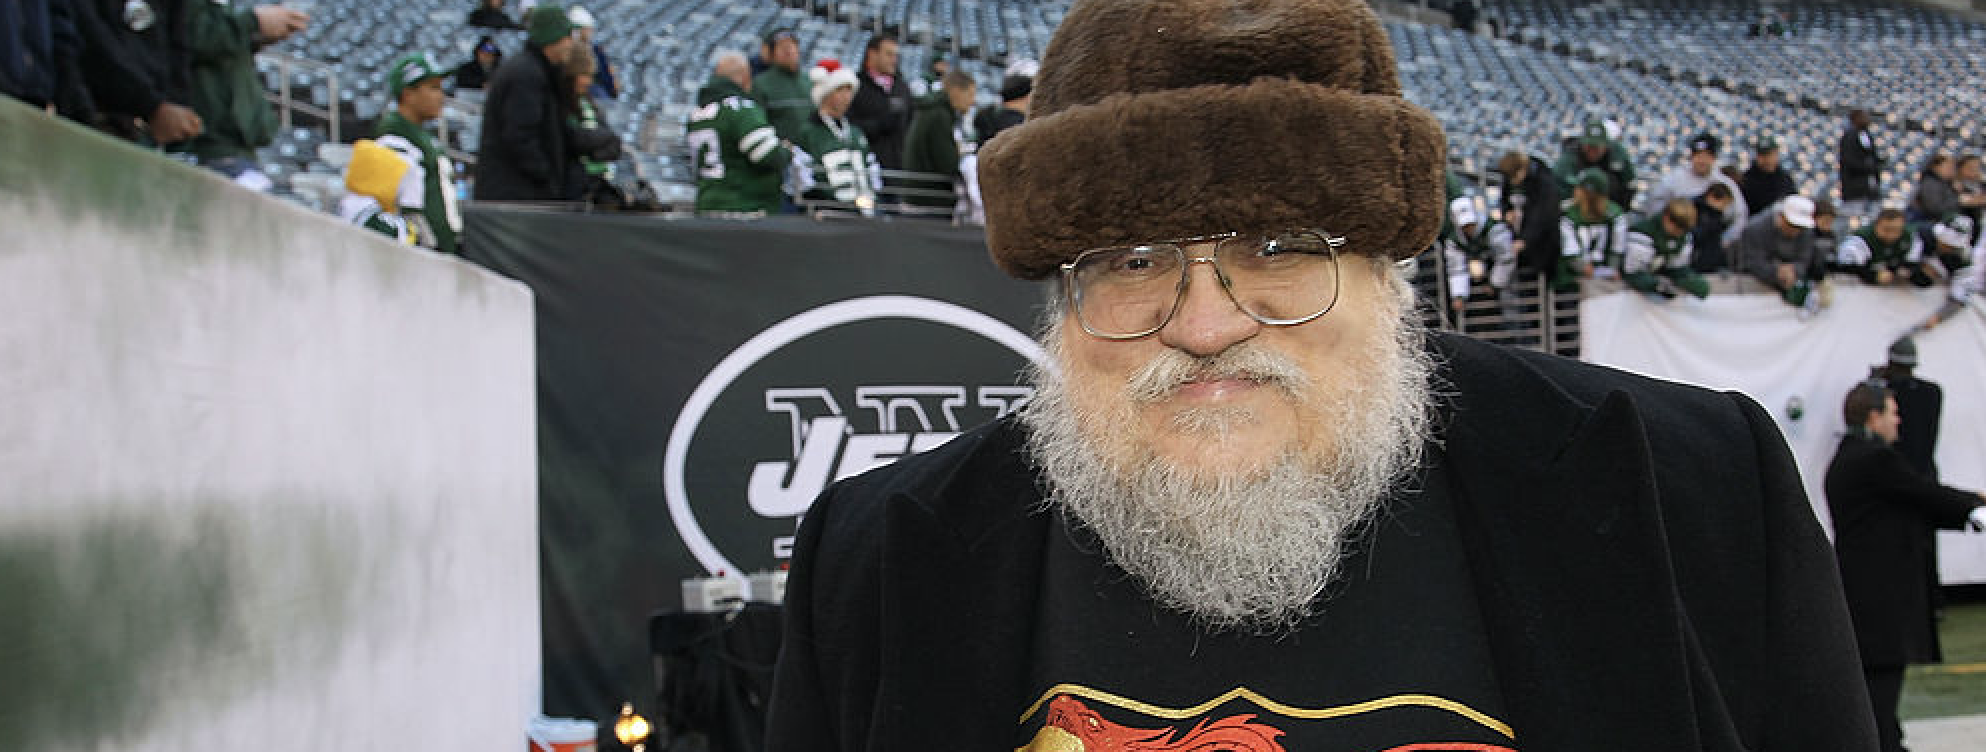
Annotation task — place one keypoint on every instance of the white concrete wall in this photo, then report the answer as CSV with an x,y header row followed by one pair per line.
x,y
266,481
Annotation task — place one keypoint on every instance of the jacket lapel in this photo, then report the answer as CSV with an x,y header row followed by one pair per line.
x,y
963,581
1558,509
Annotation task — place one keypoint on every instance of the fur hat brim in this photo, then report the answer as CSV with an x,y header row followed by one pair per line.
x,y
1273,154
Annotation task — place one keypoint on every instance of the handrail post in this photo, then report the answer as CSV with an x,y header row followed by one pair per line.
x,y
335,113
283,82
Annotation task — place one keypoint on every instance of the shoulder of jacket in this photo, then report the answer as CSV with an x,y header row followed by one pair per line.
x,y
955,481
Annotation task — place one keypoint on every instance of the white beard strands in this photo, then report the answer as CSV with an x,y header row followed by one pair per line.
x,y
1247,550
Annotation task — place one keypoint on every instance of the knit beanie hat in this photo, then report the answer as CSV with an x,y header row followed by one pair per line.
x,y
828,75
1015,87
548,24
1195,117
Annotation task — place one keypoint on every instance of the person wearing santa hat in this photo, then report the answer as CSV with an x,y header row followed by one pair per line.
x,y
844,168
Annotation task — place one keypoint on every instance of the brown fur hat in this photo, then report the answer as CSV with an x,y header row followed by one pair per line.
x,y
1161,119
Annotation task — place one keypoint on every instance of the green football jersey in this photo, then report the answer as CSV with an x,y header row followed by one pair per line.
x,y
844,167
739,158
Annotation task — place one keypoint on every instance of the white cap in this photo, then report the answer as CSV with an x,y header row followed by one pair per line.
x,y
580,17
1798,211
1463,211
1952,232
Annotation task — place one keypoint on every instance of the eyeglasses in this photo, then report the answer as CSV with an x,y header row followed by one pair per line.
x,y
1278,279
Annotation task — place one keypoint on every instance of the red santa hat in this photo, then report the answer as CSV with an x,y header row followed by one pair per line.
x,y
828,75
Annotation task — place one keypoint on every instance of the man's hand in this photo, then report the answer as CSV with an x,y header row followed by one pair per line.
x,y
1786,276
277,23
1977,521
171,123
1884,277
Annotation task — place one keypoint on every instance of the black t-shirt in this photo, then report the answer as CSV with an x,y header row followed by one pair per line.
x,y
1396,658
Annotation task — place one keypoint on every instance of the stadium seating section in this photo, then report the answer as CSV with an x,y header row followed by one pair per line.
x,y
1664,70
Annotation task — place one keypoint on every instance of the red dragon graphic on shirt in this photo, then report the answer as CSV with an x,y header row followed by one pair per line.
x,y
1071,726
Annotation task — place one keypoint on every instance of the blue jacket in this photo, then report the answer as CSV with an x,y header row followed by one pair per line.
x,y
41,43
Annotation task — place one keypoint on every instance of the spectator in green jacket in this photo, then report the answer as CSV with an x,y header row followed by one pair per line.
x,y
843,168
1592,231
1656,259
933,145
414,82
782,89
740,159
225,91
1594,149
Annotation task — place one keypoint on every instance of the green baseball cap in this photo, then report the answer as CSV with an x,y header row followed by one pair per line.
x,y
412,69
1593,179
1595,133
1764,144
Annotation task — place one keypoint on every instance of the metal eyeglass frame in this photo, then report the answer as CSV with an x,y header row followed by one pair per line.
x,y
1073,293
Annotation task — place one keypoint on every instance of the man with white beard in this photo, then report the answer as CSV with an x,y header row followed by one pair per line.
x,y
1253,506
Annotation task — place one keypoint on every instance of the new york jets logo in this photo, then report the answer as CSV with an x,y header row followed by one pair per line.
x,y
823,395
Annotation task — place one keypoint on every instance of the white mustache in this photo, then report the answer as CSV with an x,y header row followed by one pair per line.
x,y
1249,361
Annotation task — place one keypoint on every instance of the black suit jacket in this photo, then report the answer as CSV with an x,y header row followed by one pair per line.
x,y
1652,577
1885,514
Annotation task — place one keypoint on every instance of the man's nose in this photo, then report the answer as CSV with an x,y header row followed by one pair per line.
x,y
1208,321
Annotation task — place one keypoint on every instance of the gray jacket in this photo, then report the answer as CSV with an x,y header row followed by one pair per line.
x,y
1761,249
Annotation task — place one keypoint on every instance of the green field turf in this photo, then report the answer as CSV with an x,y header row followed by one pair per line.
x,y
1957,686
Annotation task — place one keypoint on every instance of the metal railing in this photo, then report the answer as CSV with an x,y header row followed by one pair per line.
x,y
286,104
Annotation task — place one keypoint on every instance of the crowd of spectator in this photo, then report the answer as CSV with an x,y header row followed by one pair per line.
x,y
766,139
1577,221
172,74
773,134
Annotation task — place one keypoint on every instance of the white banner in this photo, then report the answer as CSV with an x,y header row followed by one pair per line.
x,y
1755,344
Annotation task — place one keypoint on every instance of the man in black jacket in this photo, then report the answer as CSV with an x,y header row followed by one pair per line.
x,y
1766,181
135,66
1531,206
1236,515
933,143
523,156
1016,90
1885,514
1861,167
882,102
